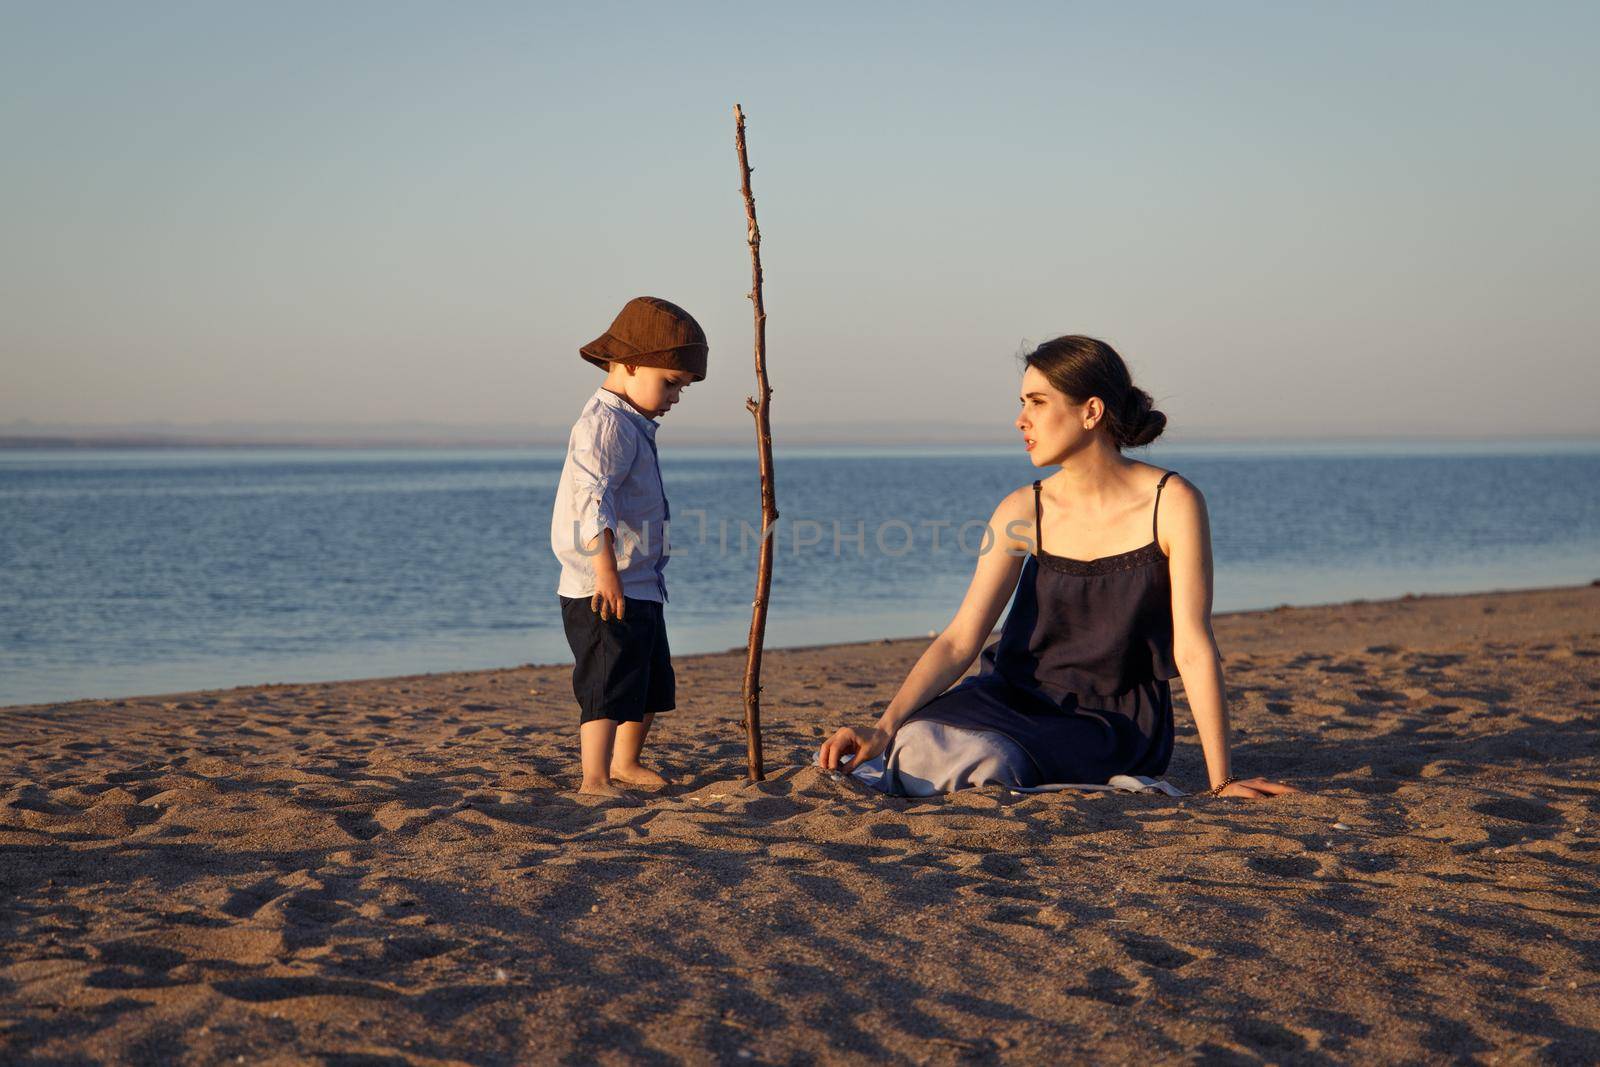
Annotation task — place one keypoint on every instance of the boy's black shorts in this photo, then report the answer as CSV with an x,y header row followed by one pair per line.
x,y
623,669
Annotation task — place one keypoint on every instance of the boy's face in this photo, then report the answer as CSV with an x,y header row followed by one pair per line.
x,y
653,390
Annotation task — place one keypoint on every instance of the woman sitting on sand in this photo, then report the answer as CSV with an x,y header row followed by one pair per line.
x,y
1076,688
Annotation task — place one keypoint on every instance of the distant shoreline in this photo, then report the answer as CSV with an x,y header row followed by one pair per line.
x,y
547,439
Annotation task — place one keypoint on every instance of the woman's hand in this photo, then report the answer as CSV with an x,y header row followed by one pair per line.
x,y
848,741
1255,787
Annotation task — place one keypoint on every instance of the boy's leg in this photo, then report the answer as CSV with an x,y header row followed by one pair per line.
x,y
625,765
597,739
608,680
660,695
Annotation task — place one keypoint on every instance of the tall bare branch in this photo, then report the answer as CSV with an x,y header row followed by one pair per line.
x,y
769,499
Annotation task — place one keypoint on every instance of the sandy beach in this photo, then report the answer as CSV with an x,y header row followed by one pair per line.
x,y
399,871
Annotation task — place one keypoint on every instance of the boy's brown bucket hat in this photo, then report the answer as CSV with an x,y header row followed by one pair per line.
x,y
651,332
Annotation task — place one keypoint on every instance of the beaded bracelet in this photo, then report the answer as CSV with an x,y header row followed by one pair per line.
x,y
1217,789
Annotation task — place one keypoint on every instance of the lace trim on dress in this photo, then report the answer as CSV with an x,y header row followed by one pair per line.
x,y
1122,561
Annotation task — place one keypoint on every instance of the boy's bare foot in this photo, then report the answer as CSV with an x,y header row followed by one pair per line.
x,y
601,789
639,775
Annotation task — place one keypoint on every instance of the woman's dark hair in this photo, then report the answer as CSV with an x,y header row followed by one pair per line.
x,y
1082,367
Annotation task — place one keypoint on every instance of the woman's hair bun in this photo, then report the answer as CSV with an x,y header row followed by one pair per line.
x,y
1139,422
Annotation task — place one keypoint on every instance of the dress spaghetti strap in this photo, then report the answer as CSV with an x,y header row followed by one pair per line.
x,y
1155,536
1038,522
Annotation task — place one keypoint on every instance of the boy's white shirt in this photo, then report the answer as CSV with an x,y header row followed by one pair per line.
x,y
611,480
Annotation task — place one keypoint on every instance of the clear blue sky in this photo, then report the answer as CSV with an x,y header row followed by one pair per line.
x,y
1292,219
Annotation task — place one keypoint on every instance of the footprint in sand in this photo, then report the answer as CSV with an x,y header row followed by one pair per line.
x,y
1283,866
1106,985
1158,953
243,903
1524,811
1268,1036
264,990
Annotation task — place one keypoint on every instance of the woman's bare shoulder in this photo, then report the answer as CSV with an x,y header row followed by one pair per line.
x,y
1181,491
1148,474
1016,504
1182,513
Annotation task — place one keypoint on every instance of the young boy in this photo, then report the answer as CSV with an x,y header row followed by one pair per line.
x,y
609,532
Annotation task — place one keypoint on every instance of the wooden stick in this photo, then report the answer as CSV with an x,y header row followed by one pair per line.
x,y
769,498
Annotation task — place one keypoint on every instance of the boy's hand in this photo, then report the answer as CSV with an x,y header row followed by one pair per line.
x,y
607,599
607,596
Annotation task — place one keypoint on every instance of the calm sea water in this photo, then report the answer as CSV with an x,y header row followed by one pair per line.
x,y
143,571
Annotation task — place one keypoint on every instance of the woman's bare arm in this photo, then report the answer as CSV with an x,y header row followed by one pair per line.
x,y
1186,529
949,655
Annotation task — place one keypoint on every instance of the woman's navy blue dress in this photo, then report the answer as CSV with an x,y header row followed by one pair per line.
x,y
1079,675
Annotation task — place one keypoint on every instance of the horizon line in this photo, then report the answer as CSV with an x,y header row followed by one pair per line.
x,y
178,441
